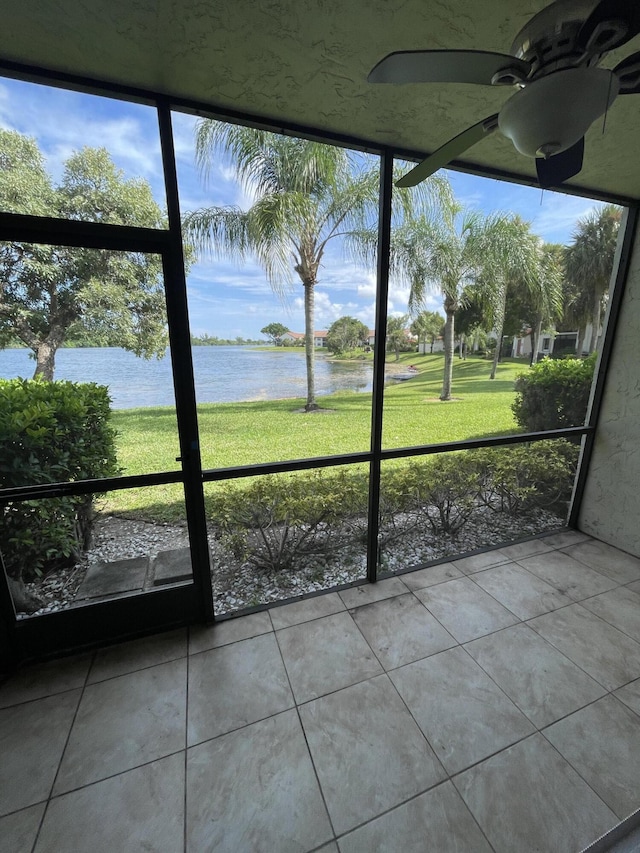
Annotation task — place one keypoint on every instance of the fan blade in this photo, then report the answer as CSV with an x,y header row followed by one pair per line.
x,y
447,66
449,151
628,72
555,170
596,37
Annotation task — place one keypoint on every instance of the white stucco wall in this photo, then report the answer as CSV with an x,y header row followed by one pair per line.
x,y
611,506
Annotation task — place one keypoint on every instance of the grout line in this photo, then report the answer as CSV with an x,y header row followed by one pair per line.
x,y
113,775
591,788
393,808
551,643
64,749
137,669
304,735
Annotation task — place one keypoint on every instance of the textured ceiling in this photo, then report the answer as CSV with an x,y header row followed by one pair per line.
x,y
306,62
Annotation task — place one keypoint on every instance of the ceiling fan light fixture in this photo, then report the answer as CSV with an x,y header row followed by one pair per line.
x,y
551,114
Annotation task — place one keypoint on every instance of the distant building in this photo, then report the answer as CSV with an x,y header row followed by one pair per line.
x,y
294,337
319,338
424,347
550,342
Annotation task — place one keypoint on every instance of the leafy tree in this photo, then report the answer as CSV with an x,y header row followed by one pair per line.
x,y
589,260
346,334
305,195
274,331
397,337
51,293
428,326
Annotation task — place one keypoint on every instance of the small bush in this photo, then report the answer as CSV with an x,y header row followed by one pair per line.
x,y
518,479
448,486
278,521
50,432
553,394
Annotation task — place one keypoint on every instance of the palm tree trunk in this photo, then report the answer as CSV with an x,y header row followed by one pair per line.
x,y
496,355
580,340
595,321
309,348
535,344
448,356
500,331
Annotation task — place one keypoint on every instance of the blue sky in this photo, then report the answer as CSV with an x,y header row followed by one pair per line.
x,y
224,299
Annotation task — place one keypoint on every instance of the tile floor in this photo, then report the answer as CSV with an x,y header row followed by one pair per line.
x,y
490,703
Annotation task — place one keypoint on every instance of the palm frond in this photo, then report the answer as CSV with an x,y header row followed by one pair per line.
x,y
219,231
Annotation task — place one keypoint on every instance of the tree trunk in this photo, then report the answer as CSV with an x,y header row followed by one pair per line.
x,y
45,360
500,331
595,321
497,353
23,600
448,355
461,345
309,348
535,344
580,340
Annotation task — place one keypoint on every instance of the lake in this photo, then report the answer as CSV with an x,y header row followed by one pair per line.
x,y
226,374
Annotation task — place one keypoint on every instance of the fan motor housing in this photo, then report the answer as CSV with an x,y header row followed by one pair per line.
x,y
549,41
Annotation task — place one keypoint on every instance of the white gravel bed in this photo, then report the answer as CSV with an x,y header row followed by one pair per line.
x,y
238,585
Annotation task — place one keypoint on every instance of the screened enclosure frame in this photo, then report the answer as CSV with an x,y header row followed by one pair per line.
x,y
104,621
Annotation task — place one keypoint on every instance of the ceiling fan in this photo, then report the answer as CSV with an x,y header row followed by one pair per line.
x,y
560,89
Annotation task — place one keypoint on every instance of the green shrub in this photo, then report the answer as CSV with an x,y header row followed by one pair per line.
x,y
278,521
554,394
447,488
523,477
50,432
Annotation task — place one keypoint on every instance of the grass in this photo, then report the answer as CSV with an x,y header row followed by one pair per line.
x,y
248,433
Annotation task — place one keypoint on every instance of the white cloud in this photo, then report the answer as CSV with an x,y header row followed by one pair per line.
x,y
558,219
369,287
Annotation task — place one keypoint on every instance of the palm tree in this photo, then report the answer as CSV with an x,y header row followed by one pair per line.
x,y
305,195
589,260
427,326
545,294
397,333
513,254
577,308
459,251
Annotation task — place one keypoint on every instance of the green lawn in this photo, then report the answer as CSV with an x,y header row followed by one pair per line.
x,y
247,433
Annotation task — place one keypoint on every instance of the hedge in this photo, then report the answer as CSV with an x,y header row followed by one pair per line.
x,y
50,432
278,522
554,393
